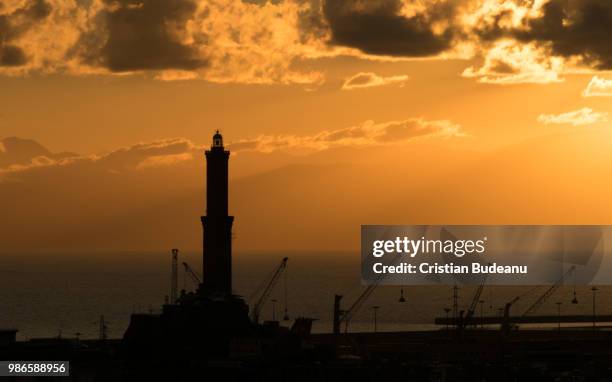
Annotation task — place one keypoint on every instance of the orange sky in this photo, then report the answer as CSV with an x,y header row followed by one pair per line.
x,y
339,113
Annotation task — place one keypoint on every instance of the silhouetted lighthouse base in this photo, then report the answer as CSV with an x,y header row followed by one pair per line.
x,y
217,260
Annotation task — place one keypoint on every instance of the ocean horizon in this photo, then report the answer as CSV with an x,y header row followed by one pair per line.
x,y
51,294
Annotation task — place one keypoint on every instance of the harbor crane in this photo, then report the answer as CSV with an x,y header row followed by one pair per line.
x,y
174,277
475,299
549,292
345,316
506,325
266,288
192,274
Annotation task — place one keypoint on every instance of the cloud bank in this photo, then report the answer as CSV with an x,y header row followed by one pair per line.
x,y
598,87
391,27
273,42
582,117
508,63
18,155
368,80
368,133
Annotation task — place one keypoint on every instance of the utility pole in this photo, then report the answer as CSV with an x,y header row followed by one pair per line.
x,y
286,315
103,328
455,303
375,309
559,315
447,311
174,276
337,314
594,290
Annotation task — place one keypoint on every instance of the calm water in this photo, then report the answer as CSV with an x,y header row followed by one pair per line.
x,y
43,294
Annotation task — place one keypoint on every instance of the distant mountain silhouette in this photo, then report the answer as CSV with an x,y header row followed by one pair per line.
x,y
14,150
313,201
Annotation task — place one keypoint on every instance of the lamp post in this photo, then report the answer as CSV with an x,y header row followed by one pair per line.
x,y
481,302
594,290
375,309
455,303
559,315
447,311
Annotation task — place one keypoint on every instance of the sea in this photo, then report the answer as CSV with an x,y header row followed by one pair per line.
x,y
65,294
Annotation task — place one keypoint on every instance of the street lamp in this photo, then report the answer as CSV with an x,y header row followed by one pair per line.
x,y
481,302
594,290
447,311
375,309
559,315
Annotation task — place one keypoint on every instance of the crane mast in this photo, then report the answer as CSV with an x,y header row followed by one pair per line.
x,y
476,298
506,324
549,292
345,316
174,277
269,286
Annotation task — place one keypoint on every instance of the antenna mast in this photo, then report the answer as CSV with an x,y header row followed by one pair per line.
x,y
174,276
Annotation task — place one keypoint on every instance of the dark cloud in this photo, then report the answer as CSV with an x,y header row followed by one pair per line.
x,y
503,68
311,23
575,28
570,28
141,35
15,24
378,27
179,37
11,55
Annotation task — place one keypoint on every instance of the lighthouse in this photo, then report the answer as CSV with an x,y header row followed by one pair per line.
x,y
200,325
217,224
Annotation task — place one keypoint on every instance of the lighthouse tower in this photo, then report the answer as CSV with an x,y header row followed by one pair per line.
x,y
217,224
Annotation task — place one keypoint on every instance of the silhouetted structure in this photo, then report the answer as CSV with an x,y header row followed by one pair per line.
x,y
217,224
200,324
202,334
7,336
